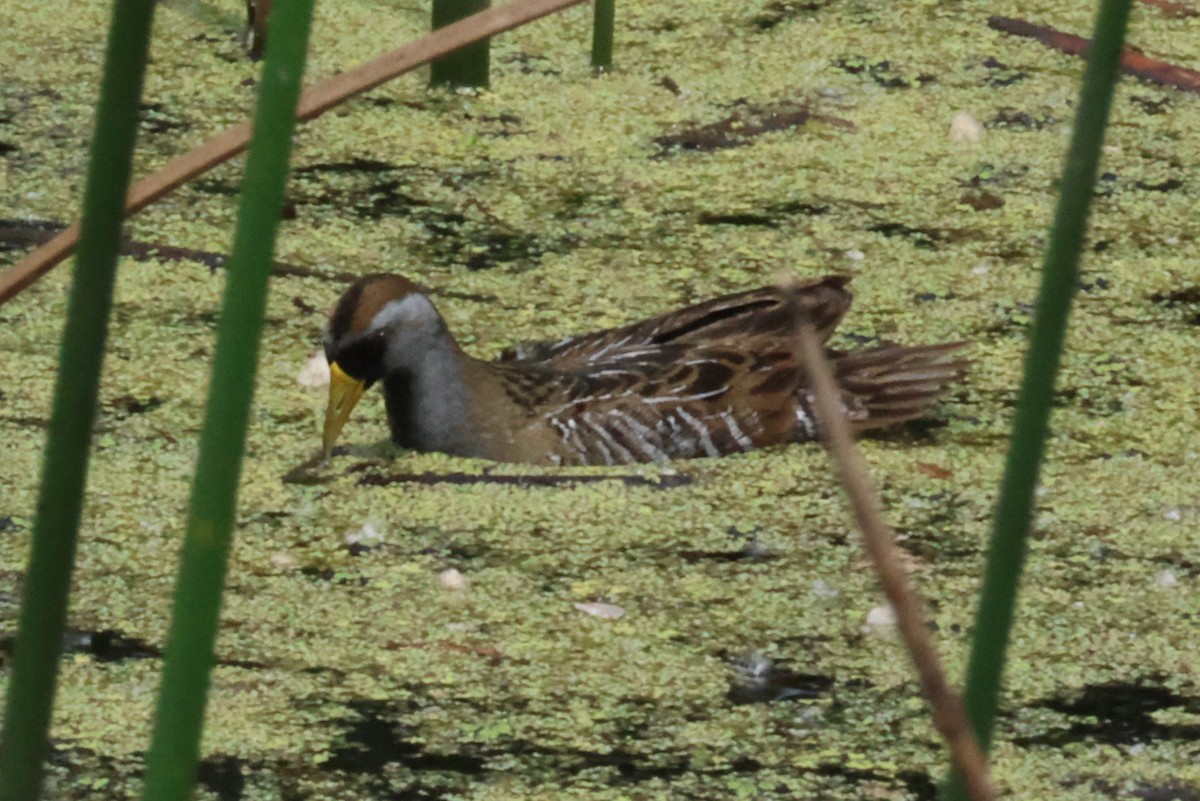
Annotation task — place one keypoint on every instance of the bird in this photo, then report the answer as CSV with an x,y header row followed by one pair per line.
x,y
719,377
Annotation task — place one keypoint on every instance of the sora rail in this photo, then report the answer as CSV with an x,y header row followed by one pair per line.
x,y
719,377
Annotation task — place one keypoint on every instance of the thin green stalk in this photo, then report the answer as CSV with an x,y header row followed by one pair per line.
x,y
174,749
467,66
24,741
1060,273
603,17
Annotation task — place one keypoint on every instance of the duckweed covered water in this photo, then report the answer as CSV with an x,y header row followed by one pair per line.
x,y
734,140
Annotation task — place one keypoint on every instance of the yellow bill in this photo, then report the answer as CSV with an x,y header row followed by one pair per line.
x,y
344,393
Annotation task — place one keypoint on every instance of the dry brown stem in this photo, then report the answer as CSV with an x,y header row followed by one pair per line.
x,y
314,102
949,715
1133,61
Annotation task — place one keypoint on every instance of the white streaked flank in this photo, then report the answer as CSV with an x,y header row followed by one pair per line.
x,y
606,438
701,432
739,436
642,436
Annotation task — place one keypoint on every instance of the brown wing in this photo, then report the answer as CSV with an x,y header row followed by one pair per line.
x,y
740,320
672,401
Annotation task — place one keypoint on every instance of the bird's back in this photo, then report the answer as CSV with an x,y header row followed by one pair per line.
x,y
715,378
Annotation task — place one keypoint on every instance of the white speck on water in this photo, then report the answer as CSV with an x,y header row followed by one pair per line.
x,y
1166,579
965,128
601,610
880,617
369,534
821,589
315,372
452,579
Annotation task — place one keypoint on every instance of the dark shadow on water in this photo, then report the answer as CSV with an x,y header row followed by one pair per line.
x,y
752,550
526,481
759,680
376,738
109,645
223,776
1117,714
1145,791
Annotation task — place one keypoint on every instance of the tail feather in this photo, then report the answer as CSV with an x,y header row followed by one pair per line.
x,y
895,383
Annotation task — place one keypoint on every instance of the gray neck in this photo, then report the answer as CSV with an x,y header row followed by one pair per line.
x,y
427,396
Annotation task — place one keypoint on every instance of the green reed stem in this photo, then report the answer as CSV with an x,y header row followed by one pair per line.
x,y
24,739
174,749
467,66
1060,276
603,17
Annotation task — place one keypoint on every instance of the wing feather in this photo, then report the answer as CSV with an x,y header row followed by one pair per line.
x,y
730,320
